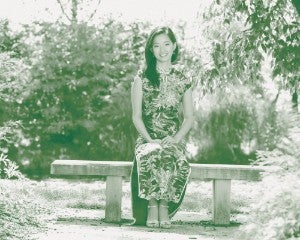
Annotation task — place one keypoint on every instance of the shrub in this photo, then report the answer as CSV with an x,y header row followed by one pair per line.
x,y
14,88
276,216
21,214
232,123
8,168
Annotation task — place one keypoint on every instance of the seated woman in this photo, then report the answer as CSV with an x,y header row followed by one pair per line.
x,y
162,114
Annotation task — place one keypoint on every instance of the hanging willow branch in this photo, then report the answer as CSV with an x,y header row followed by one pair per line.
x,y
92,15
63,10
74,11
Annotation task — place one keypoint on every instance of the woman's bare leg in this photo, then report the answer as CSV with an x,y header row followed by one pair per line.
x,y
164,214
152,218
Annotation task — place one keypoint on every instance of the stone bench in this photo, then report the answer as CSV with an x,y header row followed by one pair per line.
x,y
220,174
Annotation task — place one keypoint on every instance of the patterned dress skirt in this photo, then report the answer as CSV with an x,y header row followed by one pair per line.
x,y
159,173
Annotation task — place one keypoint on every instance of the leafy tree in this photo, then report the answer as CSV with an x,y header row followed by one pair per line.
x,y
14,88
245,32
80,107
71,9
237,47
10,42
248,29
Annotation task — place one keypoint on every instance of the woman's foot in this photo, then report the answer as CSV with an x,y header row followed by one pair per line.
x,y
164,220
152,218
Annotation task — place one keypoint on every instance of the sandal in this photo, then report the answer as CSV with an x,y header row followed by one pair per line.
x,y
165,223
152,223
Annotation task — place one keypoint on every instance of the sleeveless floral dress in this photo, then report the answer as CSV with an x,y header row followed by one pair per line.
x,y
162,171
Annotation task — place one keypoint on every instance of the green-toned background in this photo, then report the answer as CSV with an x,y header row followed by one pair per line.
x,y
69,84
65,93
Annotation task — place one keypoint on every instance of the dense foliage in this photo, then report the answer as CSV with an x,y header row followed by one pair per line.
x,y
236,114
245,36
79,102
231,125
8,169
65,93
14,80
22,212
276,215
79,106
18,212
244,32
70,85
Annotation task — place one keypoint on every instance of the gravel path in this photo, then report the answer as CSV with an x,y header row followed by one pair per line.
x,y
87,226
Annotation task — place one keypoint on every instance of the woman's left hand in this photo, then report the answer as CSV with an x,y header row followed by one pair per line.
x,y
168,140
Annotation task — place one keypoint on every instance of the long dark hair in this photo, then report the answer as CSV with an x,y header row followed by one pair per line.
x,y
150,71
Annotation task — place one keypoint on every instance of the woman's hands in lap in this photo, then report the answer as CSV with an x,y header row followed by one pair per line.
x,y
155,141
169,140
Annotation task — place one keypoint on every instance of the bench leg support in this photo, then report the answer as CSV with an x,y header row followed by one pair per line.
x,y
113,199
221,201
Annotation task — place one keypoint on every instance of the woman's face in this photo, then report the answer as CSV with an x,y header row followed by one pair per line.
x,y
163,48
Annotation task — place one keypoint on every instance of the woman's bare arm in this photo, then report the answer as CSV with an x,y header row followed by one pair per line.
x,y
136,100
188,116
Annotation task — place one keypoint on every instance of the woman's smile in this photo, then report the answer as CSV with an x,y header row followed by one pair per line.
x,y
164,55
